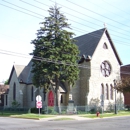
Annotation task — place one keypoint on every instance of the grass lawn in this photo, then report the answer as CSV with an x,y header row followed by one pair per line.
x,y
24,115
37,116
121,113
32,116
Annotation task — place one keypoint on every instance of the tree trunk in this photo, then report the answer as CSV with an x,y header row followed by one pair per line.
x,y
57,95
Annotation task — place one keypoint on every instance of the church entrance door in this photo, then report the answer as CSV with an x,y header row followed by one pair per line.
x,y
50,99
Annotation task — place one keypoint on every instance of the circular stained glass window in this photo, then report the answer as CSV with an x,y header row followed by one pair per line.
x,y
105,69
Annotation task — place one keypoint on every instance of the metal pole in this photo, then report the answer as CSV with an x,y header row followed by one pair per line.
x,y
38,100
115,96
39,112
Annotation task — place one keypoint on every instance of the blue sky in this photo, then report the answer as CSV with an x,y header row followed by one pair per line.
x,y
17,29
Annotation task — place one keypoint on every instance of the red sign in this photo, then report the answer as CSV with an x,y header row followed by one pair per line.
x,y
39,104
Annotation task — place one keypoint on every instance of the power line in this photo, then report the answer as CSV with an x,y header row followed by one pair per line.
x,y
13,52
83,14
104,8
41,18
12,37
32,5
116,7
40,8
41,59
21,11
69,19
85,20
24,8
97,13
49,60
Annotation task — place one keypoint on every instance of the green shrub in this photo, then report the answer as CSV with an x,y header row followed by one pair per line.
x,y
51,111
35,110
15,104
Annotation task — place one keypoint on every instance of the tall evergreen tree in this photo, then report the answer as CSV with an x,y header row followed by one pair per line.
x,y
55,54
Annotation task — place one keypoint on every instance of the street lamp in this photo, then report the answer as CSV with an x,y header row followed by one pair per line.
x,y
115,95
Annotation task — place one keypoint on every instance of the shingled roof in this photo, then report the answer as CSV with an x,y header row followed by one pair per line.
x,y
87,43
24,75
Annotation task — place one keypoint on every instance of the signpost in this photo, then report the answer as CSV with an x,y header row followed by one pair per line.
x,y
102,102
39,102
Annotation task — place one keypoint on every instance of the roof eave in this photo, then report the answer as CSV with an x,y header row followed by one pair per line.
x,y
113,47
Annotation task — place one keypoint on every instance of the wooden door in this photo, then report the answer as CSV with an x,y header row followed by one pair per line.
x,y
50,99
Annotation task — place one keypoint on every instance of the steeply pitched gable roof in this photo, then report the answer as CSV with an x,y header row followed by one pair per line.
x,y
18,69
24,75
87,43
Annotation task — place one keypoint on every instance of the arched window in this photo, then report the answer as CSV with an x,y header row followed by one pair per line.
x,y
105,46
14,92
32,93
61,100
107,92
111,92
6,99
102,89
50,99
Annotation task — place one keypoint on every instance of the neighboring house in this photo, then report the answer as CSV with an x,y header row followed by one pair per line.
x,y
125,72
3,90
99,66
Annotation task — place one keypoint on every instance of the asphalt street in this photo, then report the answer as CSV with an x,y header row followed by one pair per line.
x,y
116,123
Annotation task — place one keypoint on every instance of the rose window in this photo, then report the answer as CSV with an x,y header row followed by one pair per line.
x,y
105,69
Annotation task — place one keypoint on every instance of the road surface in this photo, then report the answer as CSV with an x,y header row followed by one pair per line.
x,y
116,123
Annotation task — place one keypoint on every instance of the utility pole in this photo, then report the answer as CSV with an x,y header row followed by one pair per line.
x,y
115,96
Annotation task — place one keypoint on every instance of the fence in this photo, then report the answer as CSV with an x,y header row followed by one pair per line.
x,y
64,109
83,109
13,110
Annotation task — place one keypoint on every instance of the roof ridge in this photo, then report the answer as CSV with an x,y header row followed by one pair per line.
x,y
91,32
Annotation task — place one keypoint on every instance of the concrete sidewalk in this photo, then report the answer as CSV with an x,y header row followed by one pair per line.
x,y
74,117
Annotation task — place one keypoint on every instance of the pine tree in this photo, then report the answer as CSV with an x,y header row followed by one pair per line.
x,y
55,55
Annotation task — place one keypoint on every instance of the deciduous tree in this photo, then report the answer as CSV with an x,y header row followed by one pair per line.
x,y
123,85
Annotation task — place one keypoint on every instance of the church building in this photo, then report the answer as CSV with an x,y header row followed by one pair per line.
x,y
99,67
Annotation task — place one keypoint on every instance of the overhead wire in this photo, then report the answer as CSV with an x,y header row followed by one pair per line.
x,y
87,21
37,58
24,8
97,13
83,14
40,58
34,6
22,11
69,19
116,7
105,8
5,52
45,10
